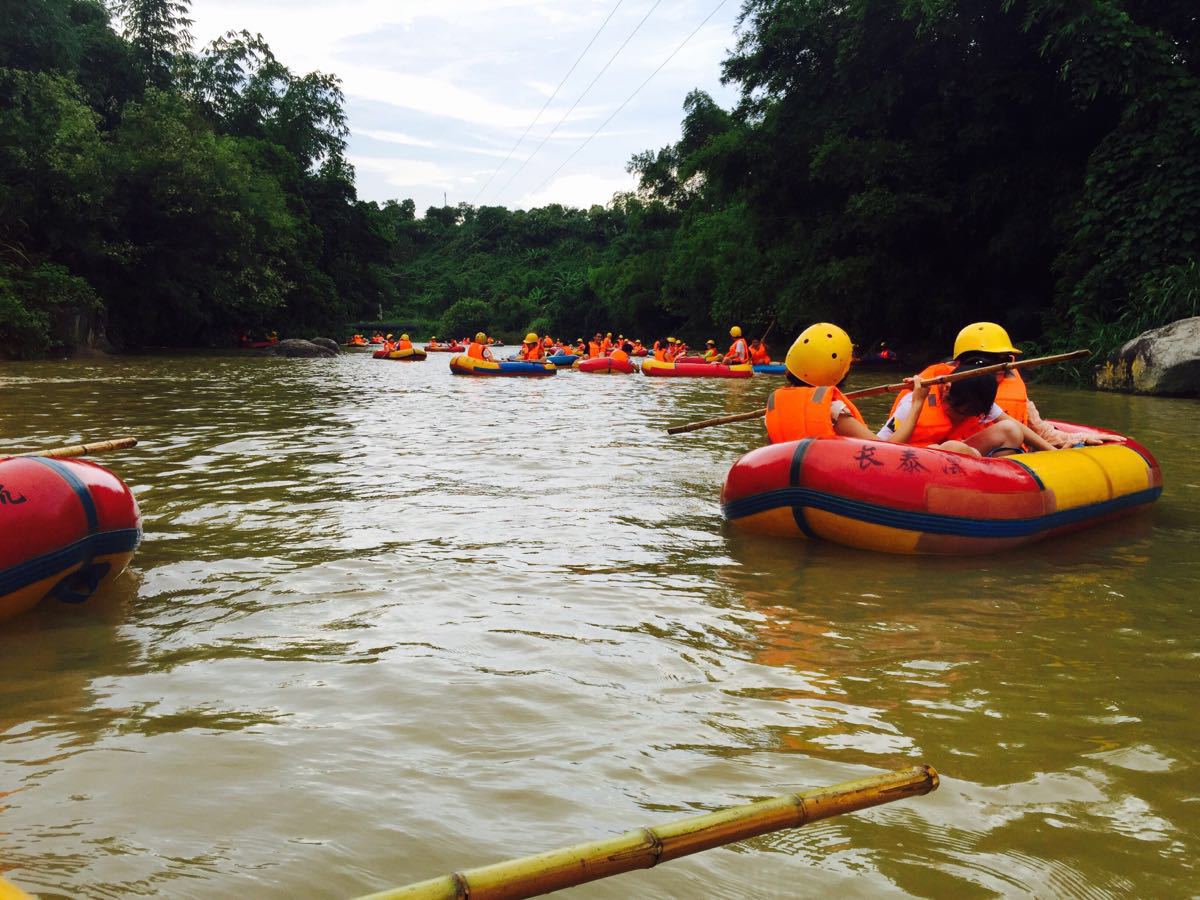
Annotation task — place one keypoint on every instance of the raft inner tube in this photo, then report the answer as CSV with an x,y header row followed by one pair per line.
x,y
563,360
469,365
896,498
70,528
770,369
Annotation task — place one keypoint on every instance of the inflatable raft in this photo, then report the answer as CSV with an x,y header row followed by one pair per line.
x,y
695,370
69,527
411,354
453,348
562,360
896,498
770,369
606,365
469,365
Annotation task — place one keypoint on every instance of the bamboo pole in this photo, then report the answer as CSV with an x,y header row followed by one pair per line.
x,y
896,388
85,449
644,848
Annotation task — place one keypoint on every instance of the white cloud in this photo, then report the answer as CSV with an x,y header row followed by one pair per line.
x,y
458,80
394,137
578,190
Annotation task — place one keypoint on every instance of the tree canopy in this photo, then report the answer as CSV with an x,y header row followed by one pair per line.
x,y
898,166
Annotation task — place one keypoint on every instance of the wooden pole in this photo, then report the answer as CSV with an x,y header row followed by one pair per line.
x,y
644,848
85,449
897,388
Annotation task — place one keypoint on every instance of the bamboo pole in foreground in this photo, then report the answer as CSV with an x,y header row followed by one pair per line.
x,y
644,848
85,449
896,388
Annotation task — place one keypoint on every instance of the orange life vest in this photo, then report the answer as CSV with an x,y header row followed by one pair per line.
x,y
477,350
620,356
403,345
593,350
1013,397
802,412
531,352
738,351
760,356
660,354
605,347
928,372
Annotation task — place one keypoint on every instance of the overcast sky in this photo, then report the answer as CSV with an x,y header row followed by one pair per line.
x,y
439,91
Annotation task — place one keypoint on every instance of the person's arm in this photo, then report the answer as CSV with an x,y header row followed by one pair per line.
x,y
1060,438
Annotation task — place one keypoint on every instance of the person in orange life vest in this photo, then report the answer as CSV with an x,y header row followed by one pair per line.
x,y
758,353
593,348
478,348
547,343
991,342
621,353
963,417
531,350
739,352
432,343
660,351
638,349
606,345
711,354
813,406
404,343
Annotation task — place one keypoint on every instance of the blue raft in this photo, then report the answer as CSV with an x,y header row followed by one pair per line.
x,y
770,369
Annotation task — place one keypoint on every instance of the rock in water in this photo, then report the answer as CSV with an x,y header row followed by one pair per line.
x,y
1161,361
301,349
328,343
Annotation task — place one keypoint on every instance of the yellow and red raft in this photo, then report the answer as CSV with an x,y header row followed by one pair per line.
x,y
69,526
896,498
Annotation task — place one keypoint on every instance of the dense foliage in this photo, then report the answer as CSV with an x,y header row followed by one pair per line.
x,y
898,166
177,196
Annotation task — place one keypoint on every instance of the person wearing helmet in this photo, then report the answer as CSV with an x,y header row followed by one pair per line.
x,y
531,349
404,343
711,354
739,351
813,406
478,348
432,343
758,353
969,416
606,345
991,343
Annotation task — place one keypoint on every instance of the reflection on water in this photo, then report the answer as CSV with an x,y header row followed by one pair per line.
x,y
386,623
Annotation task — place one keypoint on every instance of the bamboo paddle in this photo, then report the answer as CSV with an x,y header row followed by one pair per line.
x,y
85,449
647,847
896,388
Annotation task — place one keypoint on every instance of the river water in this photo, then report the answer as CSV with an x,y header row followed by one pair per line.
x,y
387,623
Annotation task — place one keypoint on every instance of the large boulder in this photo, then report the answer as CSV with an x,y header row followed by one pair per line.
x,y
1161,361
328,343
302,349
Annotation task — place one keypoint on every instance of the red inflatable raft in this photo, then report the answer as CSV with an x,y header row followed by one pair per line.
x,y
69,527
896,498
695,370
606,365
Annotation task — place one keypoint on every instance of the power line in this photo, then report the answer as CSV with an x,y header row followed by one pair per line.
x,y
592,84
627,100
536,118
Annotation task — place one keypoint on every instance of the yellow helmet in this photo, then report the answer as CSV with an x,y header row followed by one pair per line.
x,y
710,343
985,337
531,338
821,355
433,337
735,331
670,340
389,337
480,337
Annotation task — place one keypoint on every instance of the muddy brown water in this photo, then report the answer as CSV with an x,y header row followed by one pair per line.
x,y
387,623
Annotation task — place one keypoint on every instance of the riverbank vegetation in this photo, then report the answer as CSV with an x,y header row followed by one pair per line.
x,y
899,166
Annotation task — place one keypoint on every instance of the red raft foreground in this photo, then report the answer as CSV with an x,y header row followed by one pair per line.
x,y
606,365
69,526
900,499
